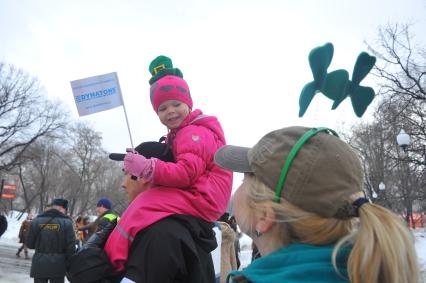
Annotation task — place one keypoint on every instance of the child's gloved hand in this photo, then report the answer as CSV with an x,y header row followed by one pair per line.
x,y
137,165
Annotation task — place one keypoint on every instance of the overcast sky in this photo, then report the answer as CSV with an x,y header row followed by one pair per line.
x,y
245,61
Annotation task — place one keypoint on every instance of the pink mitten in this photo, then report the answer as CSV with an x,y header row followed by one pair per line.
x,y
137,165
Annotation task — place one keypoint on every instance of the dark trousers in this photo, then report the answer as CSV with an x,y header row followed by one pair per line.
x,y
51,280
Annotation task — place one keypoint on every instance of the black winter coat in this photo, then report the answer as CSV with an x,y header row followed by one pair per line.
x,y
105,224
52,236
174,249
3,224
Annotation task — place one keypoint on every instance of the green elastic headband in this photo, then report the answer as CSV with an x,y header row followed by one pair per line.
x,y
293,152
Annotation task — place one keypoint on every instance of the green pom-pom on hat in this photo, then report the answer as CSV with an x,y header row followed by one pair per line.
x,y
162,66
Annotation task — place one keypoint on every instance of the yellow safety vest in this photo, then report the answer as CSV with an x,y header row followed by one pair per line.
x,y
111,217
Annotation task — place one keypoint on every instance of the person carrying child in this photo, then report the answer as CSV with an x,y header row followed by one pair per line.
x,y
193,184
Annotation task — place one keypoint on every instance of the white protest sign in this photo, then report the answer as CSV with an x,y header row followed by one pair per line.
x,y
95,94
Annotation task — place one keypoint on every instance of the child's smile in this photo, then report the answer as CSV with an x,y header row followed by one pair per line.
x,y
172,113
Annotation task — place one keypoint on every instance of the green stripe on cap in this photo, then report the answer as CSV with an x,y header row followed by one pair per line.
x,y
293,152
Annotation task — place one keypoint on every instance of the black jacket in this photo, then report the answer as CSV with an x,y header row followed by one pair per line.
x,y
52,236
105,224
3,224
174,249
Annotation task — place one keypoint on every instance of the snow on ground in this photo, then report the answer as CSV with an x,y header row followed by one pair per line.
x,y
420,239
13,226
10,237
245,254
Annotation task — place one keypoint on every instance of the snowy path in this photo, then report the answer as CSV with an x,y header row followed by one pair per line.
x,y
12,268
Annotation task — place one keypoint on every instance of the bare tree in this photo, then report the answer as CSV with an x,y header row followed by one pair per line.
x,y
401,77
25,115
38,172
109,185
401,104
44,155
87,162
384,162
73,166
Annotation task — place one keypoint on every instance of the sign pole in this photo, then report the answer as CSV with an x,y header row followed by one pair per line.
x,y
128,127
125,113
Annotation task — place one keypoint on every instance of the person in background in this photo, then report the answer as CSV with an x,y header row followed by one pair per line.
x,y
52,236
23,233
228,260
302,203
233,223
83,235
104,224
79,234
90,231
3,224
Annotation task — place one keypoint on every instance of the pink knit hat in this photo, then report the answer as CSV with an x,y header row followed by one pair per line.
x,y
170,88
167,83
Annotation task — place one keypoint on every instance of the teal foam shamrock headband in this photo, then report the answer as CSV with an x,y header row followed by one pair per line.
x,y
336,85
293,153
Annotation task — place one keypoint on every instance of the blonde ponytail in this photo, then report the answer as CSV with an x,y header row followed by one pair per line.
x,y
383,248
382,245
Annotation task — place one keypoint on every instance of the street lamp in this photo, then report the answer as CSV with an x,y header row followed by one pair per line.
x,y
382,186
403,140
374,195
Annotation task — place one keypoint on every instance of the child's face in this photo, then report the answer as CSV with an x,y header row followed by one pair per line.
x,y
172,113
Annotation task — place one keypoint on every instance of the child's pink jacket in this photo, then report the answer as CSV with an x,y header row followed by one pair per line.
x,y
193,185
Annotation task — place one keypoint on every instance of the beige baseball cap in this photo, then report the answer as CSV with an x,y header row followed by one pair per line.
x,y
320,179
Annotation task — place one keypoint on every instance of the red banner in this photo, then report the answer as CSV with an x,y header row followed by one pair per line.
x,y
9,187
8,196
